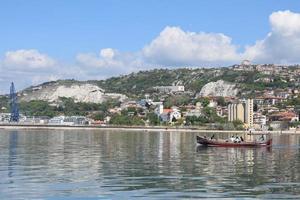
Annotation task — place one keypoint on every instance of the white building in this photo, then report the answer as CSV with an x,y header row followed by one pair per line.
x,y
59,120
68,121
170,89
249,113
175,114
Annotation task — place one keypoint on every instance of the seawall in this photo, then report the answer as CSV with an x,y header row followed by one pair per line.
x,y
138,128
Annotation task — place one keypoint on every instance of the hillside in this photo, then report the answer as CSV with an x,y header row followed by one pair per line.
x,y
76,90
239,78
246,81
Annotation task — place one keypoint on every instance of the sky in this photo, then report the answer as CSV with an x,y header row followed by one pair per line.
x,y
96,39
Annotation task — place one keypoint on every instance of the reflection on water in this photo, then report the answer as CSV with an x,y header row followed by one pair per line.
x,y
67,164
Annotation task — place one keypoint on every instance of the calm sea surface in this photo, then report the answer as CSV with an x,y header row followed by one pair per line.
x,y
84,164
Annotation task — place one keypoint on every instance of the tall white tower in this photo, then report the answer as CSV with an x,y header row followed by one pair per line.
x,y
249,113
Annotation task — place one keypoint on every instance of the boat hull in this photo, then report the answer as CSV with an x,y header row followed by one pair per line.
x,y
224,143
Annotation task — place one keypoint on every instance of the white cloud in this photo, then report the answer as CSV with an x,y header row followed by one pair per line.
x,y
174,46
27,67
285,23
27,60
107,58
107,53
110,62
282,44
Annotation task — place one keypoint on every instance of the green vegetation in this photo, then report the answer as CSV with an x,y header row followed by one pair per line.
x,y
98,116
129,117
37,108
120,119
67,107
209,115
194,120
153,119
176,100
221,101
4,104
137,84
238,124
204,102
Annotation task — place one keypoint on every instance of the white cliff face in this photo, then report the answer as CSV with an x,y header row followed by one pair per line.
x,y
79,92
219,88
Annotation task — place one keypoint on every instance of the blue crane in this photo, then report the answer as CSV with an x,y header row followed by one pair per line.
x,y
14,108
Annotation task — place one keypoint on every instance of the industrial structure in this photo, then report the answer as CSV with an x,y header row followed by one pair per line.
x,y
14,108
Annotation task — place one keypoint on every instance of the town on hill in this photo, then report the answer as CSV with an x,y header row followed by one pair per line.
x,y
243,96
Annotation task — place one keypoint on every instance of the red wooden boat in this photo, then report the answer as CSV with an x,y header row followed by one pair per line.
x,y
226,143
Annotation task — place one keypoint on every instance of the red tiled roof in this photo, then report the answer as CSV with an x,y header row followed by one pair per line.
x,y
167,110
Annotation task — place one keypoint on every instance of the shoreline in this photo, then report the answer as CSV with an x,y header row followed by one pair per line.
x,y
136,128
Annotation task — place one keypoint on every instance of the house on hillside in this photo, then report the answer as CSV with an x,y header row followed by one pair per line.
x,y
284,116
168,115
170,89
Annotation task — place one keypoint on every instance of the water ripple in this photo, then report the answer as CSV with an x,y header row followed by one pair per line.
x,y
123,165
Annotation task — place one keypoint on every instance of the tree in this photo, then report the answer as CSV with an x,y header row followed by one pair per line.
x,y
37,108
176,100
98,116
204,102
238,124
126,120
221,101
153,118
255,107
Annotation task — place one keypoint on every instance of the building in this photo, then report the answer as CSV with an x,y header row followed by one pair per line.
x,y
242,111
249,113
168,115
4,117
236,112
170,89
284,116
259,121
58,120
68,120
194,112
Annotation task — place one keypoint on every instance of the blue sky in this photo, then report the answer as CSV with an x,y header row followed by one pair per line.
x,y
64,28
73,33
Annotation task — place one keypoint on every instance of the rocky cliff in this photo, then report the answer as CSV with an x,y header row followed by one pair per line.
x,y
219,88
79,91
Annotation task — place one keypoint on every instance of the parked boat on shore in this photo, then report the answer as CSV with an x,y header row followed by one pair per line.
x,y
228,143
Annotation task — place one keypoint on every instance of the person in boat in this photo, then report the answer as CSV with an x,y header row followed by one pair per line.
x,y
237,139
242,139
262,138
232,138
212,137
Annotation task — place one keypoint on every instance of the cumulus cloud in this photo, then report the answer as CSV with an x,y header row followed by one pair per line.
x,y
27,60
110,62
282,44
26,67
285,23
106,58
174,46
